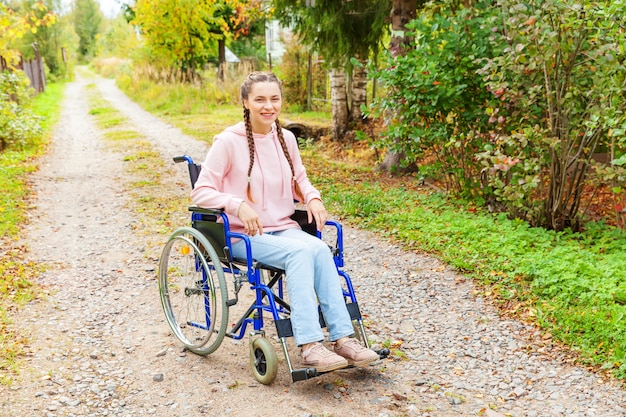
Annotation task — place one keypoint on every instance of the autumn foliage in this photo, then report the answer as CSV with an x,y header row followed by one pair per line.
x,y
515,105
183,35
14,27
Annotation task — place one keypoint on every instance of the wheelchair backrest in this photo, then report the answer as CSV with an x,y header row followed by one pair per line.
x,y
194,173
194,169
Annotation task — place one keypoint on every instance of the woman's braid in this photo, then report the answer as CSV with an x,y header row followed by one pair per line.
x,y
250,136
283,145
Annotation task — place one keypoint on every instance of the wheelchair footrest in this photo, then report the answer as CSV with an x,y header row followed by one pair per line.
x,y
303,374
383,353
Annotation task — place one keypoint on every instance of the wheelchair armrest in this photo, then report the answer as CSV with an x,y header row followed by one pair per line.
x,y
209,211
337,250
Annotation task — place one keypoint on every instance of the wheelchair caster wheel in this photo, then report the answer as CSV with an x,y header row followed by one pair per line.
x,y
263,360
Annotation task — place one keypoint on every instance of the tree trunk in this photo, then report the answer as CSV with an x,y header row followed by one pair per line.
x,y
339,102
358,92
402,13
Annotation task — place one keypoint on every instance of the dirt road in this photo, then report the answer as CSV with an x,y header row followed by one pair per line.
x,y
100,344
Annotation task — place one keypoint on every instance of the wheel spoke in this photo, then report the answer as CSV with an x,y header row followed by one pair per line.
x,y
193,291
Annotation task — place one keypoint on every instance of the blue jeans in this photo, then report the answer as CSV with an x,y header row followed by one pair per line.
x,y
311,277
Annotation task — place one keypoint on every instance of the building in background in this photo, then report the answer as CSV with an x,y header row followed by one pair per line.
x,y
275,38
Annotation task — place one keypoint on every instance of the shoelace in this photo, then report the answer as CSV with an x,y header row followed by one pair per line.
x,y
354,345
319,348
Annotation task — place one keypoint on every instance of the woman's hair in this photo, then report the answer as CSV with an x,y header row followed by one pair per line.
x,y
246,86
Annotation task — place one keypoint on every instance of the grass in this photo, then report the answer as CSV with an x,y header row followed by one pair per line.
x,y
186,106
569,284
16,272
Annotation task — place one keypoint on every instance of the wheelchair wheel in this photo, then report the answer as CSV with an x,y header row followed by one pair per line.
x,y
193,291
263,360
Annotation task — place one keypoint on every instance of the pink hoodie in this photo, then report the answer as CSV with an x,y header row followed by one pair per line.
x,y
223,179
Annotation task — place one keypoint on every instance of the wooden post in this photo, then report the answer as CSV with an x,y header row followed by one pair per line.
x,y
64,55
221,59
309,84
39,75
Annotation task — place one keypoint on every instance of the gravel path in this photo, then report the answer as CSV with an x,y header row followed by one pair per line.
x,y
100,344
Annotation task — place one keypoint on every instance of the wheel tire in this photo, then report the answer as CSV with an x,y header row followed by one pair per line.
x,y
193,291
263,360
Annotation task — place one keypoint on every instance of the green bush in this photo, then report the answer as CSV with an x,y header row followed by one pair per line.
x,y
560,87
435,102
512,103
19,127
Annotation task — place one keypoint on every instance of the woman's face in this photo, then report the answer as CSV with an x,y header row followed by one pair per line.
x,y
264,102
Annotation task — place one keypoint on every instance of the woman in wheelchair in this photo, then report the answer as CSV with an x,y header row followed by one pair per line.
x,y
254,172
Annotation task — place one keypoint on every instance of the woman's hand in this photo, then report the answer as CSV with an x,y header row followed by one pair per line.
x,y
315,209
249,218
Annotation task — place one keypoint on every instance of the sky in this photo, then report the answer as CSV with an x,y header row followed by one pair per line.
x,y
110,8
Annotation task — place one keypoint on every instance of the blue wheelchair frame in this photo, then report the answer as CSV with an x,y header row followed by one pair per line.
x,y
269,297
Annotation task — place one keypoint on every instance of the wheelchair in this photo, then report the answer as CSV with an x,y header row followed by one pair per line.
x,y
200,282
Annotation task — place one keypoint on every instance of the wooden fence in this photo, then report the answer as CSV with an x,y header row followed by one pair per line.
x,y
33,68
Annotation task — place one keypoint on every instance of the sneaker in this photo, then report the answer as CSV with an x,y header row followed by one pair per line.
x,y
322,359
355,353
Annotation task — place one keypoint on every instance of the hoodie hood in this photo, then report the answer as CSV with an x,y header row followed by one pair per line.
x,y
238,129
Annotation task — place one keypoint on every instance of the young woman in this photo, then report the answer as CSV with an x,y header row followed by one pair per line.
x,y
254,172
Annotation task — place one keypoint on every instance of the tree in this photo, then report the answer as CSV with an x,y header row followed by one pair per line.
x,y
118,39
339,103
14,26
184,34
514,103
18,126
435,103
179,33
47,37
403,12
339,31
251,43
87,21
241,17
